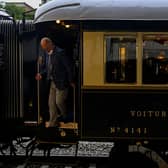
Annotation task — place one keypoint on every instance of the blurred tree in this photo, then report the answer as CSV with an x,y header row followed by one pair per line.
x,y
17,12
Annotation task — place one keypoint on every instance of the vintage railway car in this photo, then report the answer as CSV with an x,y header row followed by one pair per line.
x,y
120,49
121,63
120,54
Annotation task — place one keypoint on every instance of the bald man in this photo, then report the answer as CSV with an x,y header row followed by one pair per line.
x,y
59,72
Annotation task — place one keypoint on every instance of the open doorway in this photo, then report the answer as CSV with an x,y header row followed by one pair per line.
x,y
65,36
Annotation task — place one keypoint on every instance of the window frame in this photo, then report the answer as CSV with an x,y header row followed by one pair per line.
x,y
139,57
133,36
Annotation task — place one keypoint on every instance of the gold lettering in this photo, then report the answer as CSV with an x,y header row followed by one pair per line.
x,y
139,114
132,113
164,114
112,130
132,130
157,113
144,113
126,130
150,113
138,130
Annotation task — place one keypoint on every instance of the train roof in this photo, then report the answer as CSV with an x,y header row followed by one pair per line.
x,y
102,10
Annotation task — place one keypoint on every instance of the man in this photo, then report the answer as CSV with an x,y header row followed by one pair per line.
x,y
59,72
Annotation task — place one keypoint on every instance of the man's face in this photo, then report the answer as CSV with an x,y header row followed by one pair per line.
x,y
46,46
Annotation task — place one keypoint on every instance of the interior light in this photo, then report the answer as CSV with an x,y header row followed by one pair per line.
x,y
58,21
67,26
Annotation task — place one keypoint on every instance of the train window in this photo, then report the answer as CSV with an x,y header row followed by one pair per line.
x,y
125,58
155,59
120,63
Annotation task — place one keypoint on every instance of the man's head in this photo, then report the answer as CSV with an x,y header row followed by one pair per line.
x,y
46,44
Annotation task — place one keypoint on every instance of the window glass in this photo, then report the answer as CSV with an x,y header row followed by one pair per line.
x,y
155,59
120,59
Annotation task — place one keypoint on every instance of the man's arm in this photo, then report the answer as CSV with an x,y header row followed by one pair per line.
x,y
42,71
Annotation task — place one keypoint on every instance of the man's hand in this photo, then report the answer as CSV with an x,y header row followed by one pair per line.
x,y
38,76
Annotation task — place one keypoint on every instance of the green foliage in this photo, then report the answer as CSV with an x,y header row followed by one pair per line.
x,y
15,11
30,16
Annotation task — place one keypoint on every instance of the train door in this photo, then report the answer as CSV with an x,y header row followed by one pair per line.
x,y
64,35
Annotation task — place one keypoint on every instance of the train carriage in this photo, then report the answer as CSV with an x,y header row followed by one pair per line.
x,y
121,64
